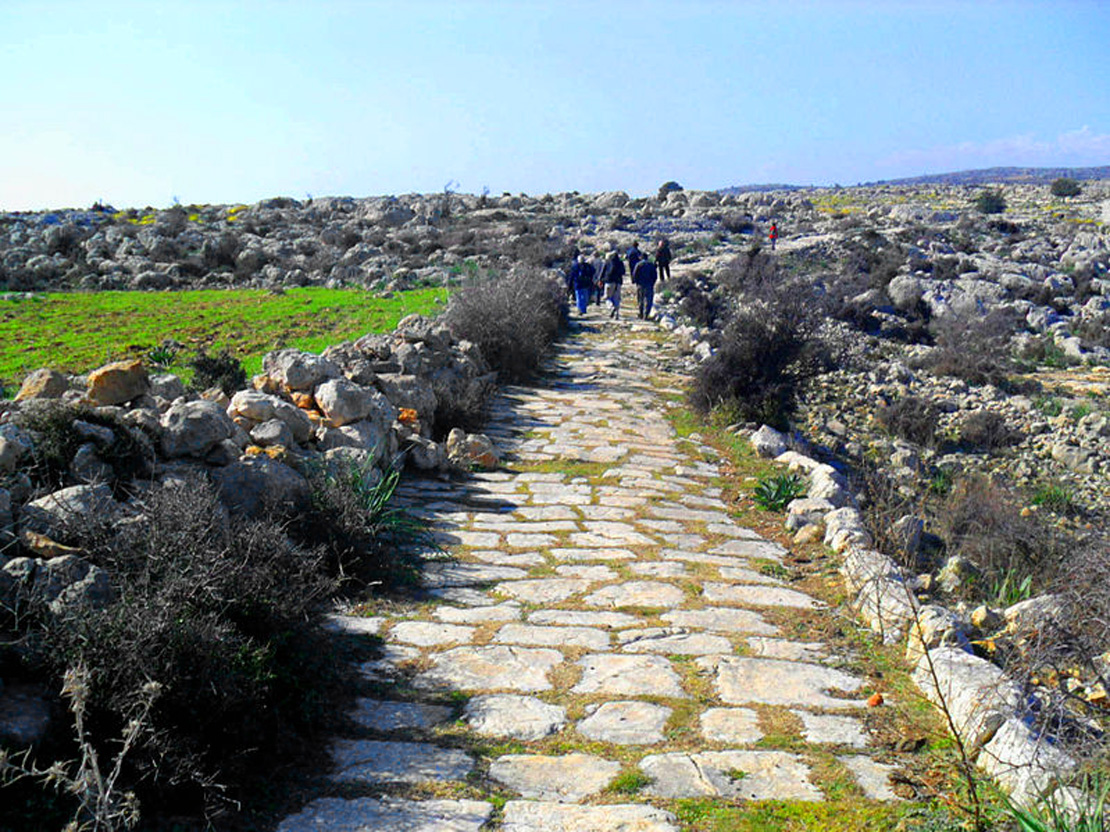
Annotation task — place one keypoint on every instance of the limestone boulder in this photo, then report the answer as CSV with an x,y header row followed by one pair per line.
x,y
118,382
768,442
166,386
195,428
298,370
250,485
411,393
343,402
471,450
364,435
43,384
273,432
79,503
61,582
255,407
1032,614
977,695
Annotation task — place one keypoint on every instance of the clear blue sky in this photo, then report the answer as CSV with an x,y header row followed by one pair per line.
x,y
142,102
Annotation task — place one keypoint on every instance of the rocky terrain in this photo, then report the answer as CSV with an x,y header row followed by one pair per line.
x,y
904,277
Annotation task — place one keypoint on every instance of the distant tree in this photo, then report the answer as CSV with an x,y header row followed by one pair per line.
x,y
990,202
1065,186
666,188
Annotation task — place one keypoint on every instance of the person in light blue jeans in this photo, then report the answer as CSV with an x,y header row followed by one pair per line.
x,y
583,277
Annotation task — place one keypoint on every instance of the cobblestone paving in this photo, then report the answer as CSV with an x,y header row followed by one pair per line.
x,y
605,623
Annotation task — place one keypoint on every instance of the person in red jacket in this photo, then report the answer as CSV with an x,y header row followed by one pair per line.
x,y
774,235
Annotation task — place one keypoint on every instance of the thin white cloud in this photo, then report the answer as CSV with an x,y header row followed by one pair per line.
x,y
1080,147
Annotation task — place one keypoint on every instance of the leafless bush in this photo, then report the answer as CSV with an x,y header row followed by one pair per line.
x,y
983,521
976,350
211,607
987,430
512,318
911,418
771,344
749,271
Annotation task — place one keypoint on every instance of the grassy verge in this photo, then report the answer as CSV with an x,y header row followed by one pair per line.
x,y
77,332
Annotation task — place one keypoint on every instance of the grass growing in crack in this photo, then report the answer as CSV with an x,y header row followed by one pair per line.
x,y
629,782
853,815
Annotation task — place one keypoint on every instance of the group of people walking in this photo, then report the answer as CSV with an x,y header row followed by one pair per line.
x,y
588,281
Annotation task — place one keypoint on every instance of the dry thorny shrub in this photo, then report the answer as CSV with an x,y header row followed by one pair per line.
x,y
512,318
770,345
974,349
213,608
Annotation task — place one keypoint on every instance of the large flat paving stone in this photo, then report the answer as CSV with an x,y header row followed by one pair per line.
x,y
381,715
488,667
832,729
544,590
388,814
739,726
873,777
586,572
780,648
626,723
672,641
584,618
430,633
619,675
744,575
508,611
721,620
607,552
588,637
741,680
767,775
514,716
537,816
523,559
467,574
377,761
586,540
750,549
659,569
758,596
636,594
388,664
566,779
353,625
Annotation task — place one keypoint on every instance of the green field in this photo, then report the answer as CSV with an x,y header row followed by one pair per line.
x,y
77,332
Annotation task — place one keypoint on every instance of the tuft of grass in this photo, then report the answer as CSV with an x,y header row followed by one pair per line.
x,y
1056,497
629,782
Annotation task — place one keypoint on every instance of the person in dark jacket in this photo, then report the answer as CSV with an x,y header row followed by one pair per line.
x,y
634,256
644,278
663,259
583,277
612,276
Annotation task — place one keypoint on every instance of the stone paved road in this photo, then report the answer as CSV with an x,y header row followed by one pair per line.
x,y
610,625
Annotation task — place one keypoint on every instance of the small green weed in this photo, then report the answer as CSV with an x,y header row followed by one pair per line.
x,y
776,493
1080,410
629,782
1011,589
1089,815
164,355
1056,497
941,482
1048,405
